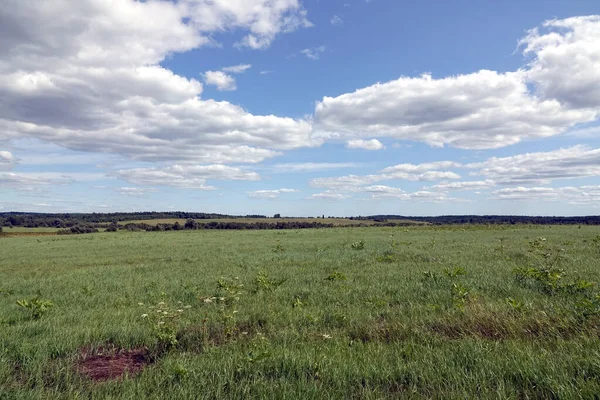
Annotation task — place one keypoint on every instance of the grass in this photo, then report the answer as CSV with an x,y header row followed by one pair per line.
x,y
334,221
420,312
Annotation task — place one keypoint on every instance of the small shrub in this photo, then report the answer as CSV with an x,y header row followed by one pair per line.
x,y
457,271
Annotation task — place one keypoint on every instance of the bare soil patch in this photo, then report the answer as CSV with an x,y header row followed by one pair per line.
x,y
104,365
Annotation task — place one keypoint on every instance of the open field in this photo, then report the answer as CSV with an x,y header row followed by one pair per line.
x,y
334,221
419,312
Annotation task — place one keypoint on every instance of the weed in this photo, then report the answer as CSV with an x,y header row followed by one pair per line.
x,y
360,245
336,276
278,247
457,271
36,306
164,322
460,296
264,282
516,305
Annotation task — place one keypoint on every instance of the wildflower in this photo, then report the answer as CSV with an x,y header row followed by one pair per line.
x,y
165,313
179,311
188,306
326,336
144,315
244,333
207,300
222,298
140,304
179,302
161,323
162,303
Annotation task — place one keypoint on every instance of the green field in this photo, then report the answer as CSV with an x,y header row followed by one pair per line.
x,y
334,221
420,312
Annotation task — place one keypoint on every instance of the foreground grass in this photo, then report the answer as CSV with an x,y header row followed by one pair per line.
x,y
334,313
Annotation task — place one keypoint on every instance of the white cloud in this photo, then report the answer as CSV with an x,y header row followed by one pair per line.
x,y
329,196
270,194
385,192
7,160
185,176
372,144
542,167
466,185
427,172
572,195
135,191
30,181
314,53
237,69
90,79
220,79
336,20
486,109
309,167
263,19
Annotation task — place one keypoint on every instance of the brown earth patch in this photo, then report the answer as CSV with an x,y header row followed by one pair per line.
x,y
102,365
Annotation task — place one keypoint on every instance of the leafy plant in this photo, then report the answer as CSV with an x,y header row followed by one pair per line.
x,y
278,248
264,282
164,322
516,305
36,306
360,245
460,295
336,276
457,271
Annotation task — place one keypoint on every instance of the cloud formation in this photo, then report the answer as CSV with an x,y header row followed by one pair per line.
x,y
269,194
372,144
485,109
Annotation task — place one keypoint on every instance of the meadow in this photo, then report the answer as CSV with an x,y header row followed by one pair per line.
x,y
366,312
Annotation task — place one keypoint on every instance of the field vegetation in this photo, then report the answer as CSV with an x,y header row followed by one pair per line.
x,y
372,312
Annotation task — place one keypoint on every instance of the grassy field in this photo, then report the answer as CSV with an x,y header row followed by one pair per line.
x,y
422,312
334,221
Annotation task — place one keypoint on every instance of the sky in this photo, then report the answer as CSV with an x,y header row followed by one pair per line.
x,y
301,107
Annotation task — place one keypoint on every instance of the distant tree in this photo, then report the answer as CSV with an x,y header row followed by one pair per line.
x,y
0,229
277,216
177,227
191,224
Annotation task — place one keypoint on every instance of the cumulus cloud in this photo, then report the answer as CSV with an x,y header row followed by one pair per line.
x,y
7,160
263,19
220,79
542,167
185,176
90,79
310,166
32,181
269,194
466,185
485,109
372,144
426,172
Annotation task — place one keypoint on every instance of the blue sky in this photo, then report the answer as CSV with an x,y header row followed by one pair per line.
x,y
301,107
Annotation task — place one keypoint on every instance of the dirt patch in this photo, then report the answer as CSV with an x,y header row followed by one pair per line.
x,y
102,365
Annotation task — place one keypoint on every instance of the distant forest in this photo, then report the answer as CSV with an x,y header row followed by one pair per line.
x,y
100,220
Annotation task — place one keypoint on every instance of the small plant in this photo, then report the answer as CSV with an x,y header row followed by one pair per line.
x,y
164,322
336,276
230,291
516,305
264,282
36,306
596,242
430,276
386,257
360,245
297,302
460,295
457,271
501,247
278,248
